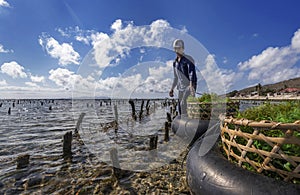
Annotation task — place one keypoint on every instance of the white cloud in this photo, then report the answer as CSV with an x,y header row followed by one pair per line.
x,y
274,61
130,36
274,64
31,84
269,62
107,84
4,3
125,36
63,52
3,83
88,37
122,87
64,33
145,80
92,38
10,91
117,25
62,77
154,85
218,80
67,79
161,72
296,41
13,69
37,79
111,49
155,36
3,50
82,39
135,85
98,37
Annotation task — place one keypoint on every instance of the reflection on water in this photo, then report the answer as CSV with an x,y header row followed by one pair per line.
x,y
36,127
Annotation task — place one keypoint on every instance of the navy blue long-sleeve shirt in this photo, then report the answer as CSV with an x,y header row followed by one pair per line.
x,y
184,73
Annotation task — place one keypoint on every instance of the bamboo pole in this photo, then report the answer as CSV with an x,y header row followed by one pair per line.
x,y
264,124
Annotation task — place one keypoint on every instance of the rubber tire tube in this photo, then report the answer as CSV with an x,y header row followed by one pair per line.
x,y
188,129
212,173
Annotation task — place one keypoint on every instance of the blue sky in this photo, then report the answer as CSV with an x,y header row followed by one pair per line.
x,y
52,48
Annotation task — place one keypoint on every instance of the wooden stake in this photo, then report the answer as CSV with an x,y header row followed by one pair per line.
x,y
169,118
153,142
133,109
148,107
67,145
166,132
22,161
79,121
116,117
115,162
141,111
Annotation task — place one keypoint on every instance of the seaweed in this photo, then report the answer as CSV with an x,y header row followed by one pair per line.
x,y
286,112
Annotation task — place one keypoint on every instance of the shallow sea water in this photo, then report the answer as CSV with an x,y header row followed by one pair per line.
x,y
36,127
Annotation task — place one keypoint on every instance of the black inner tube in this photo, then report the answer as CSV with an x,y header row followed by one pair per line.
x,y
189,129
213,174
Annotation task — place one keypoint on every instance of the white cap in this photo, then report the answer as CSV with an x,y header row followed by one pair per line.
x,y
178,43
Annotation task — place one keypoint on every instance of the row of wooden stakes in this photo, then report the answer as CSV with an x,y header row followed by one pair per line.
x,y
23,160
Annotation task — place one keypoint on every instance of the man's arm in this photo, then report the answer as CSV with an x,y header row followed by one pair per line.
x,y
175,80
192,75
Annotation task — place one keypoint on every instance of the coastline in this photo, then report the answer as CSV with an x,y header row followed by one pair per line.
x,y
268,98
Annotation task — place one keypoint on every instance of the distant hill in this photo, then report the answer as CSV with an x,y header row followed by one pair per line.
x,y
275,87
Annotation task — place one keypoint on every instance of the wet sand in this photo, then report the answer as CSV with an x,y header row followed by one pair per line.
x,y
169,179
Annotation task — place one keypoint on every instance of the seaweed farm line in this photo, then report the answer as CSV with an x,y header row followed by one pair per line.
x,y
36,128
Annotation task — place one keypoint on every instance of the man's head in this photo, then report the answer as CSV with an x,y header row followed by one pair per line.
x,y
178,46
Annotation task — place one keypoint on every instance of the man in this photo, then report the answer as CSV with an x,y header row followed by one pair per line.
x,y
185,77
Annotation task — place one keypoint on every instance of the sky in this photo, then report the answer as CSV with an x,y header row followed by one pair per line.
x,y
110,48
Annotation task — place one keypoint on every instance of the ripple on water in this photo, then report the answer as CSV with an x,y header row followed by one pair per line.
x,y
34,129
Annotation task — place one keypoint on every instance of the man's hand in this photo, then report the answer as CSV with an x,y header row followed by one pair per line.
x,y
192,90
171,93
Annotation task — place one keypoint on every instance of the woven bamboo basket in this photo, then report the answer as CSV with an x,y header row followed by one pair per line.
x,y
252,145
203,111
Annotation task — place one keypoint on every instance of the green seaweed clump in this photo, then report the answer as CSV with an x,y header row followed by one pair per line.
x,y
208,98
287,112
